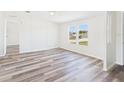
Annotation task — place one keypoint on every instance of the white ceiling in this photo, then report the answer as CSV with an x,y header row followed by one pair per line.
x,y
66,16
62,16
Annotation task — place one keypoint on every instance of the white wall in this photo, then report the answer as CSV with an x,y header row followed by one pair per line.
x,y
96,36
119,39
37,34
12,33
2,35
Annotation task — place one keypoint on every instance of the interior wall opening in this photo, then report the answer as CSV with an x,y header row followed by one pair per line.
x,y
12,38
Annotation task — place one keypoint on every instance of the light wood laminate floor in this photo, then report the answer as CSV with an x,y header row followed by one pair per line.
x,y
55,65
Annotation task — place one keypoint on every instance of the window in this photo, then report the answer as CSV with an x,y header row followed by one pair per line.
x,y
80,35
72,34
83,34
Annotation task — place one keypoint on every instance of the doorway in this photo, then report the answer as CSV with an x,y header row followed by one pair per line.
x,y
12,38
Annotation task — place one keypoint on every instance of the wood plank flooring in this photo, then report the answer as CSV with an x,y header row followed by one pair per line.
x,y
55,65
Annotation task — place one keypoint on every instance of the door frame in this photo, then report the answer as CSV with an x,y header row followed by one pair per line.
x,y
5,33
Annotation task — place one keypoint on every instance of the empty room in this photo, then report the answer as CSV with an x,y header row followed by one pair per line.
x,y
61,46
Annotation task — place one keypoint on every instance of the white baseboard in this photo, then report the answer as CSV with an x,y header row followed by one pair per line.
x,y
120,63
110,67
2,55
82,53
30,51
